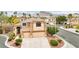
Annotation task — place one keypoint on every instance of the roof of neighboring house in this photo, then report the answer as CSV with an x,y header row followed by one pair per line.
x,y
33,20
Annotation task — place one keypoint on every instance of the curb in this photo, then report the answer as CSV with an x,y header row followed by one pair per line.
x,y
6,41
8,44
65,42
69,31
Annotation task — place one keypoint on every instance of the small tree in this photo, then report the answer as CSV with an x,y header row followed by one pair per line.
x,y
52,30
70,17
11,36
61,19
15,21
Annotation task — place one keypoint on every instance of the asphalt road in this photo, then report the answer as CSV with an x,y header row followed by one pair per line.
x,y
2,42
69,37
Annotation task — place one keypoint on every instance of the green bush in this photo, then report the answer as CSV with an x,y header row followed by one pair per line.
x,y
52,30
53,43
77,31
68,26
11,36
20,36
18,41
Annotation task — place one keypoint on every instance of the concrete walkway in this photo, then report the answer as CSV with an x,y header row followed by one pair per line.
x,y
40,42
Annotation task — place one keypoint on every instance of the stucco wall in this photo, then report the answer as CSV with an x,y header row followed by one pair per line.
x,y
26,35
39,34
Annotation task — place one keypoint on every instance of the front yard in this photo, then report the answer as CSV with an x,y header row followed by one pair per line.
x,y
50,40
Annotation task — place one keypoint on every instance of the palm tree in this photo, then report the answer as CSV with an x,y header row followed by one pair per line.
x,y
1,18
70,17
15,13
6,13
38,15
30,15
24,14
2,21
1,13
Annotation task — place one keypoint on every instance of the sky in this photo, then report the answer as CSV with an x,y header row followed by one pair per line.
x,y
34,12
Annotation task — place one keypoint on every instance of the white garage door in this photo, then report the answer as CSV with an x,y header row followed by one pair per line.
x,y
26,35
39,34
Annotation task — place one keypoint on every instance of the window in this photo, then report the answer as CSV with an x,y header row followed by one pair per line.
x,y
24,24
21,19
38,24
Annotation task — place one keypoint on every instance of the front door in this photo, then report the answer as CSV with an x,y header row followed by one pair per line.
x,y
18,30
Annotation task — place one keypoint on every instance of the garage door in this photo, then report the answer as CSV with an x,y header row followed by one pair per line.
x,y
39,34
26,35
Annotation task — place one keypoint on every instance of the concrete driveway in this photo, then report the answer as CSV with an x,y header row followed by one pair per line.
x,y
40,42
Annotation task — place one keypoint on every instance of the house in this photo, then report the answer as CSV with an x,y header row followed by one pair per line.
x,y
51,20
73,21
32,27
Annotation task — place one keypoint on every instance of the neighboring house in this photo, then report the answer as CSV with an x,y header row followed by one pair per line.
x,y
32,27
73,21
51,21
5,28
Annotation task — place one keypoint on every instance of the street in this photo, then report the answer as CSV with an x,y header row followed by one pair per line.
x,y
69,37
2,42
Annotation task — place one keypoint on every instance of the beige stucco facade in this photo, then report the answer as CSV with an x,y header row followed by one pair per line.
x,y
32,30
73,21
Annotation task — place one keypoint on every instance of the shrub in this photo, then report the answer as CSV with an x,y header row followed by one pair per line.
x,y
20,36
53,43
77,31
11,36
52,30
18,41
68,26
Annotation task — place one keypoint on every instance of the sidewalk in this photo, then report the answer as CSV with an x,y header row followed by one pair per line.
x,y
70,30
68,45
